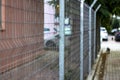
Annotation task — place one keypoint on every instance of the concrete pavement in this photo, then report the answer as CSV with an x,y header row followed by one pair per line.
x,y
112,63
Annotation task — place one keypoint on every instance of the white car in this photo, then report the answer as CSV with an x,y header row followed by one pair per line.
x,y
113,31
50,37
103,34
52,41
49,32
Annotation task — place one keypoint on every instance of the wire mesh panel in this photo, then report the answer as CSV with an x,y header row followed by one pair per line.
x,y
72,51
23,53
86,38
51,42
92,41
98,43
29,40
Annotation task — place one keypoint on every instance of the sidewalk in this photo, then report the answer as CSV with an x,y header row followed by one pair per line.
x,y
110,68
112,65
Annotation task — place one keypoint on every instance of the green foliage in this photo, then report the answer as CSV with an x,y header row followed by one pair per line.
x,y
115,23
109,28
105,13
108,8
55,3
88,1
116,11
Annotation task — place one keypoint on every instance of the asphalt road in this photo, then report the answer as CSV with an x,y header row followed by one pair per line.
x,y
112,44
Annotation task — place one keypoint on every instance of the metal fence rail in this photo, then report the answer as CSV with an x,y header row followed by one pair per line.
x,y
33,40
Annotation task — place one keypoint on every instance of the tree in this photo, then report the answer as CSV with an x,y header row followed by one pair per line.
x,y
55,3
115,23
108,8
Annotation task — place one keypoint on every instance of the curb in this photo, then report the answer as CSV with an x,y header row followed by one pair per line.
x,y
93,73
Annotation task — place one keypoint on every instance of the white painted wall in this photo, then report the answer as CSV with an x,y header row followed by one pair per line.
x,y
49,13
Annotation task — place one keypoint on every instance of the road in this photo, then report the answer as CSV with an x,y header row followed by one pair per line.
x,y
112,44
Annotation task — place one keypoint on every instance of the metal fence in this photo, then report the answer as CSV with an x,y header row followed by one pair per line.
x,y
36,45
72,52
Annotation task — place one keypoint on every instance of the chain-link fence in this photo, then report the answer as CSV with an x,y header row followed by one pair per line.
x,y
29,40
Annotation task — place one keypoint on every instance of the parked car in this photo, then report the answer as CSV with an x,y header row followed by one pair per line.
x,y
113,31
117,36
50,37
52,41
49,32
103,33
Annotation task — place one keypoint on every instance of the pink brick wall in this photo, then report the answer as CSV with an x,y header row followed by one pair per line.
x,y
22,39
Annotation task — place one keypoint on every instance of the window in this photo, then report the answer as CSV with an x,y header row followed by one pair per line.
x,y
46,29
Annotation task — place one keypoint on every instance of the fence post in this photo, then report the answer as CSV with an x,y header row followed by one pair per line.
x,y
95,30
81,37
90,34
61,43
